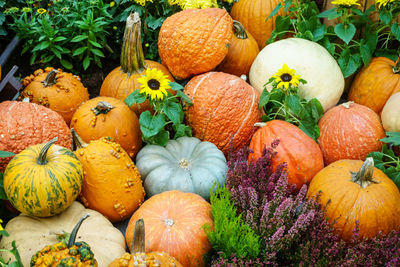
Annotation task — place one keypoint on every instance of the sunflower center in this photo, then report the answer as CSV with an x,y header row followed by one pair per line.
x,y
153,84
286,77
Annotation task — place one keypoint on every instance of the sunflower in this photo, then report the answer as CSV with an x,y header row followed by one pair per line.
x,y
285,77
142,2
41,11
154,84
1,227
346,3
383,2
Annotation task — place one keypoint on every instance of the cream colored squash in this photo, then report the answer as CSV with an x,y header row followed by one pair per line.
x,y
313,62
391,114
33,234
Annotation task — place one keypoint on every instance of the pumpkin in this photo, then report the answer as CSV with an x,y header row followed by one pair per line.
x,y
51,87
107,116
43,180
185,164
311,61
23,124
349,131
194,41
375,83
66,253
242,52
31,234
300,152
224,109
353,190
111,182
174,224
122,81
253,15
391,114
138,254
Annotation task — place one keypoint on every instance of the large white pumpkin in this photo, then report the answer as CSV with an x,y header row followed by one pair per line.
x,y
391,114
312,61
185,164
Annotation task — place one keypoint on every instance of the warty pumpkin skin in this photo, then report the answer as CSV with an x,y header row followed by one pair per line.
x,y
242,52
52,87
33,234
253,15
301,153
349,131
391,114
185,164
375,83
23,124
111,181
106,116
224,110
194,41
350,191
122,81
174,224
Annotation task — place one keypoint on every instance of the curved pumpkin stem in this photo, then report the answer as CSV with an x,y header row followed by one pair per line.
x,y
396,68
138,241
102,108
347,104
74,232
50,78
132,57
42,158
239,30
364,177
79,143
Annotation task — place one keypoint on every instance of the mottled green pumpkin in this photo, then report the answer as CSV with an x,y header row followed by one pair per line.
x,y
43,180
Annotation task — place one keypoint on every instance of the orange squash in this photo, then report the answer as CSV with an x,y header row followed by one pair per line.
x,y
122,81
194,41
224,110
350,191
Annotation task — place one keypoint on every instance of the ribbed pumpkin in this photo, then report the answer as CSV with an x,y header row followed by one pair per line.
x,y
375,83
351,191
106,116
301,153
224,109
111,182
52,87
122,81
391,114
185,164
139,257
194,41
43,180
174,224
253,15
32,234
242,52
349,131
24,124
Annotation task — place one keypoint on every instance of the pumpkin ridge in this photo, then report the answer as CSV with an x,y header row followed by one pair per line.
x,y
198,84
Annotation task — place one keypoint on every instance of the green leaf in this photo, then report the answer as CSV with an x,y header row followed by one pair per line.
x,y
161,138
349,63
328,13
6,154
319,33
275,11
345,31
392,137
396,30
154,23
135,97
59,38
173,112
182,130
385,16
328,46
66,64
264,98
151,125
288,3
79,51
86,62
95,44
79,38
176,86
293,102
97,52
2,192
184,97
372,40
366,53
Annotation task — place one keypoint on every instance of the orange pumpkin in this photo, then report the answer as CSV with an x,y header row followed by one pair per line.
x,y
23,124
52,87
111,182
174,224
375,83
242,52
224,109
349,131
194,41
122,81
253,15
106,116
301,153
350,191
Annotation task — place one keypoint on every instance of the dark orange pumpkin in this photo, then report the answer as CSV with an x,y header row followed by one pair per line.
x,y
301,153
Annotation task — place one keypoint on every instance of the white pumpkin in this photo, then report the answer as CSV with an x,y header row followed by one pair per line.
x,y
312,61
32,234
391,114
184,164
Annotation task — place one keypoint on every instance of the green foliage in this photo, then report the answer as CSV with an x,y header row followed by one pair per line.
x,y
13,251
231,235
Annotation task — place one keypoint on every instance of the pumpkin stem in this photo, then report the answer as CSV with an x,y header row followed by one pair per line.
x,y
396,68
347,104
259,124
50,78
102,108
137,245
239,30
74,232
79,143
42,158
364,177
132,57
